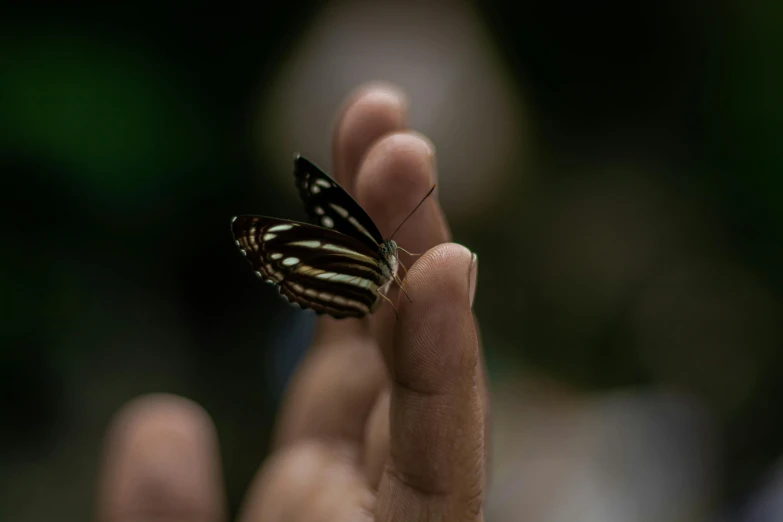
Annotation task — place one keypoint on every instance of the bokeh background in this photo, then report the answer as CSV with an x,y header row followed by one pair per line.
x,y
617,166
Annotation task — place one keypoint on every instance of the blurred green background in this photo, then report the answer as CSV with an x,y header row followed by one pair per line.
x,y
632,239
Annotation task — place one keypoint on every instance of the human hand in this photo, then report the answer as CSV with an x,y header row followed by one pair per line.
x,y
385,418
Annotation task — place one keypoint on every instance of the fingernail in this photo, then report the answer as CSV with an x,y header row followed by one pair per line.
x,y
433,160
472,278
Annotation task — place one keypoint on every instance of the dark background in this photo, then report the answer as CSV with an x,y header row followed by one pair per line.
x,y
126,145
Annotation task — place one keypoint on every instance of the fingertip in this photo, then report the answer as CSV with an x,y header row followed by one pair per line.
x,y
403,159
444,275
160,457
395,175
371,112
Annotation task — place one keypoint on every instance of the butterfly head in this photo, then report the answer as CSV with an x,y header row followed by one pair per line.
x,y
388,252
389,249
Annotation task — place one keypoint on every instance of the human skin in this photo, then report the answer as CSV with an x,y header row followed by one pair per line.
x,y
385,418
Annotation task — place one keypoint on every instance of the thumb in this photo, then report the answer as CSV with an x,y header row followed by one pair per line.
x,y
436,462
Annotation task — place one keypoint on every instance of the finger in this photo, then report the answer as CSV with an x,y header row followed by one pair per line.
x,y
309,482
396,174
436,465
161,462
374,110
376,448
335,386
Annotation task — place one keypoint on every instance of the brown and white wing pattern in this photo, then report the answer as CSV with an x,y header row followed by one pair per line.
x,y
313,267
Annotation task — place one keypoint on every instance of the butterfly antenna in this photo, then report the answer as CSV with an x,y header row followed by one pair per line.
x,y
414,210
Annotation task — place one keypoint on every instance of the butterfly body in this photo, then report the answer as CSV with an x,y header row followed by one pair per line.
x,y
338,268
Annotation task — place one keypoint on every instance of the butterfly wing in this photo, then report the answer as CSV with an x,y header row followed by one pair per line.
x,y
313,267
329,205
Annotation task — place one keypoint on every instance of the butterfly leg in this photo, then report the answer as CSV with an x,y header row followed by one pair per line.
x,y
390,302
406,271
400,263
397,278
409,253
399,283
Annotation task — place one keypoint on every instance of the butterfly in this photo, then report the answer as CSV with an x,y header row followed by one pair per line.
x,y
340,266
